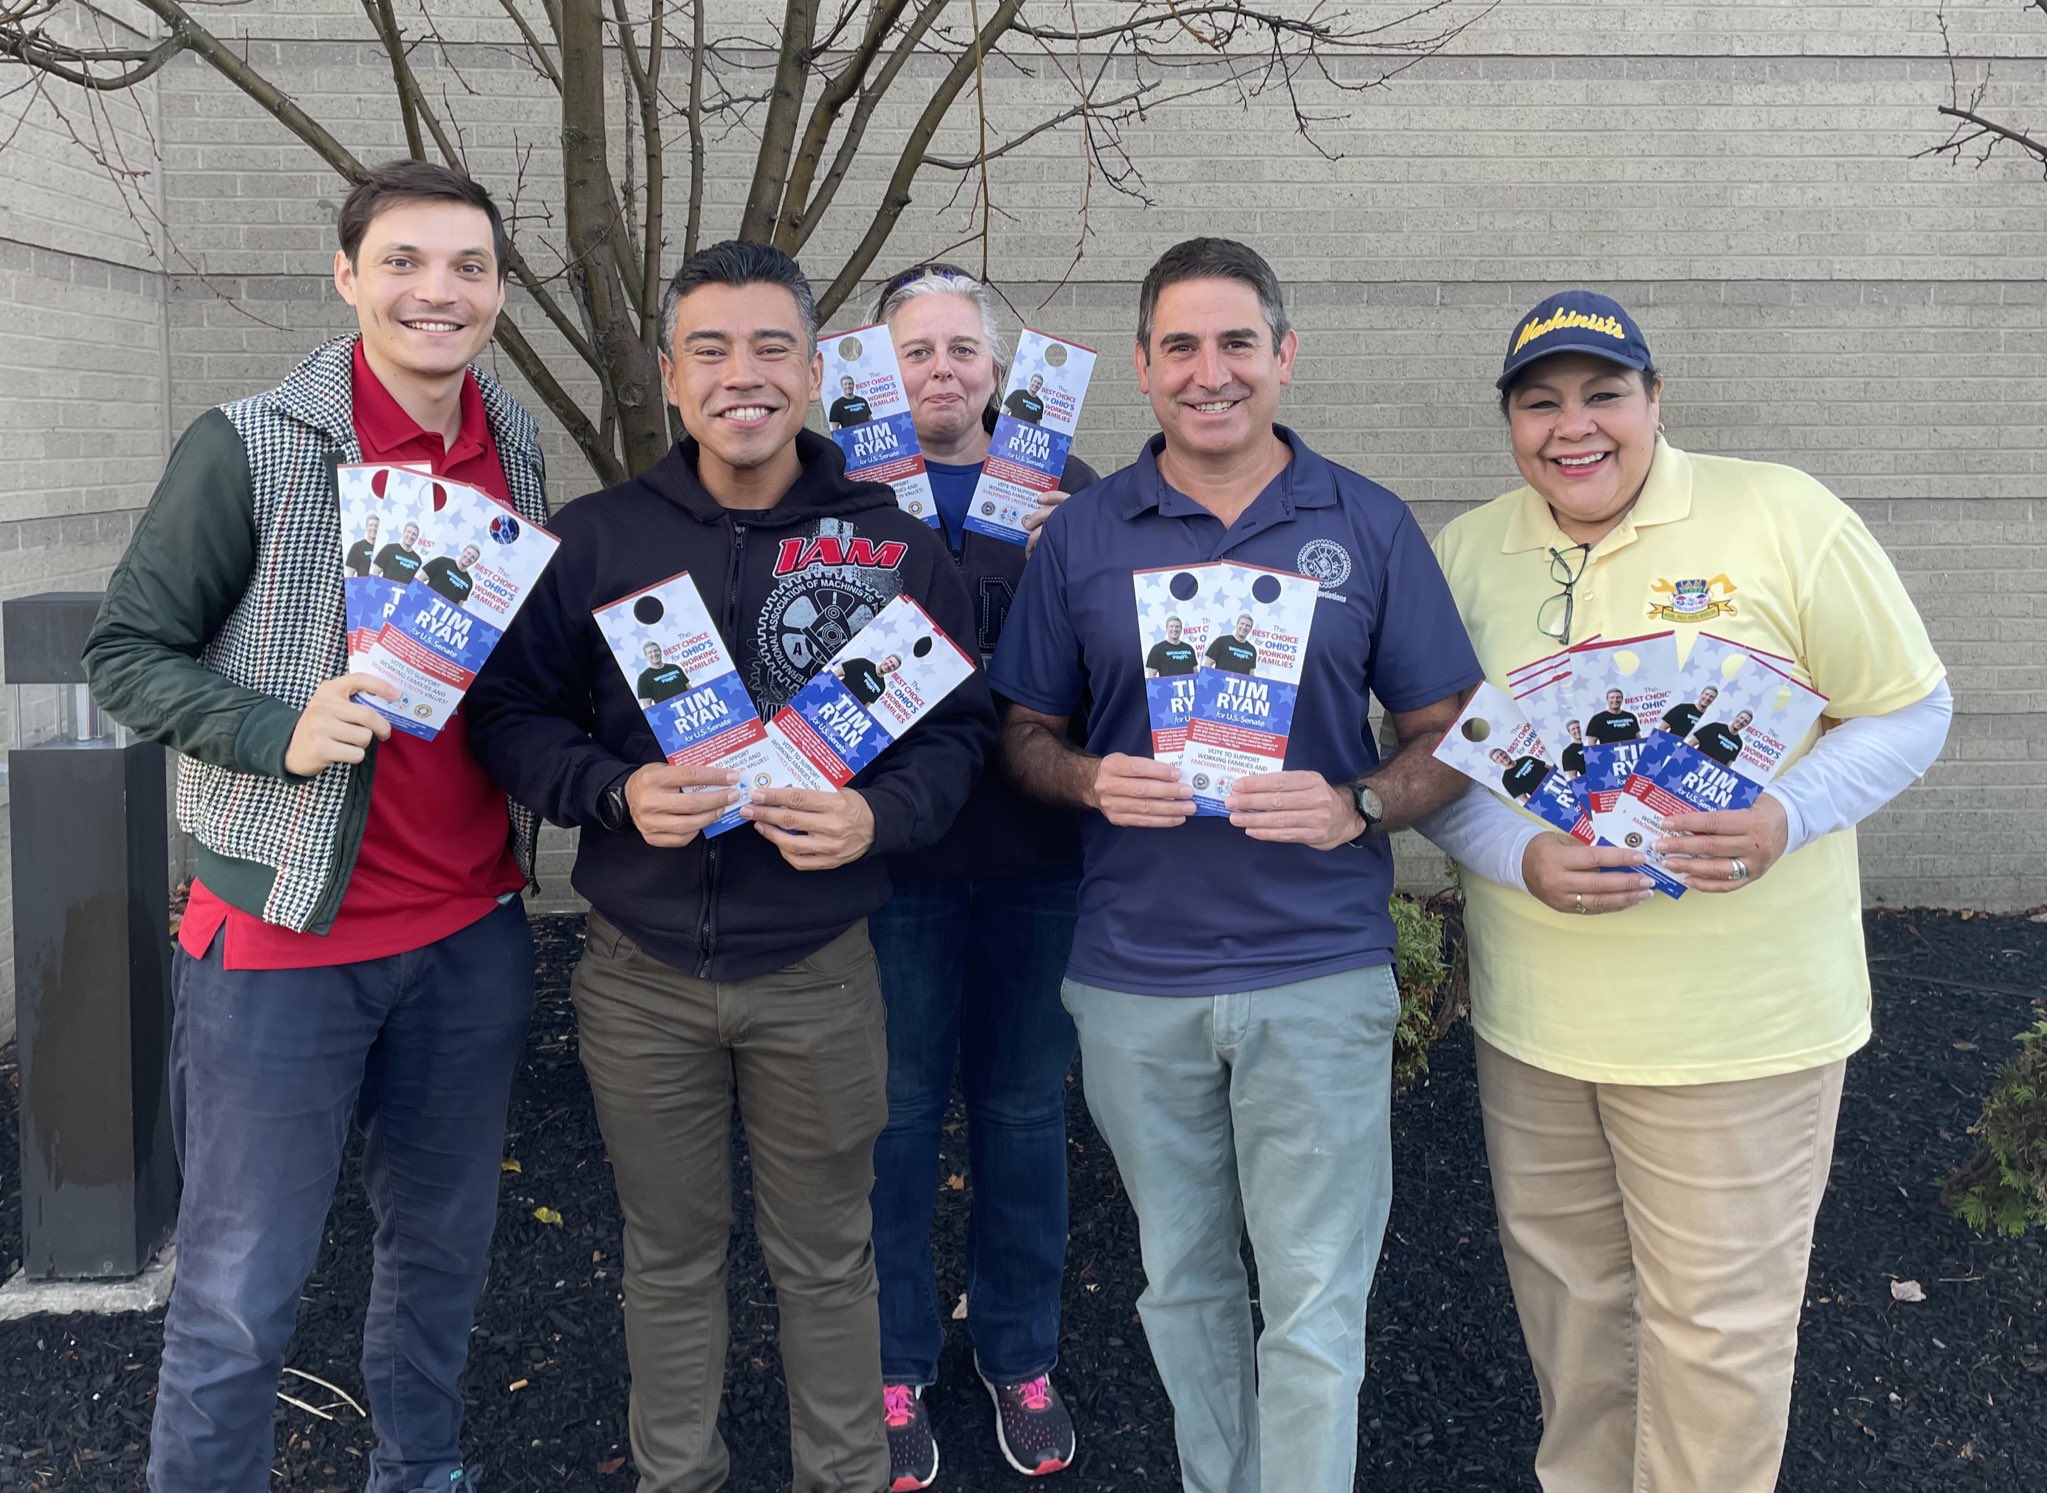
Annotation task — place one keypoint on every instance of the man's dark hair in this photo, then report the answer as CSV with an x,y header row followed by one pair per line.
x,y
738,261
1211,259
397,182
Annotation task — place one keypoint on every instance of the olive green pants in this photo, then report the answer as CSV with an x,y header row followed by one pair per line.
x,y
804,1051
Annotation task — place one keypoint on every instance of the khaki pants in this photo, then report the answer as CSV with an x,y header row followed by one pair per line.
x,y
1657,1239
804,1049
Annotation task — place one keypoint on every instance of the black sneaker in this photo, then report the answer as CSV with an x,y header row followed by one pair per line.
x,y
912,1449
1032,1426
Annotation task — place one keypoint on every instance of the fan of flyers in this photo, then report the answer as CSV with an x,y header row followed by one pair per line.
x,y
1224,647
1605,739
885,679
433,572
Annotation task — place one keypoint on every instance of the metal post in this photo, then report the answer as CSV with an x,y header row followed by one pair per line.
x,y
92,960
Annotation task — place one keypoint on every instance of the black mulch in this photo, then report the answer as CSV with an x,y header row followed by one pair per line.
x,y
1945,1394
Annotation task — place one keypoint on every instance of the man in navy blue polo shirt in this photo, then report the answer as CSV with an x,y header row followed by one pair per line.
x,y
1239,1065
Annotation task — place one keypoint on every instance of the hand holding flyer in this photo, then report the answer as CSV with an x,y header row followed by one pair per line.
x,y
679,670
1251,671
870,417
474,566
886,679
1027,453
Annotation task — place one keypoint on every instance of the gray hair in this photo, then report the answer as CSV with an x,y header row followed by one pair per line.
x,y
945,279
1212,259
738,262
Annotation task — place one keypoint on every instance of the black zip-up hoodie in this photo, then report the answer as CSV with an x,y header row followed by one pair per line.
x,y
555,721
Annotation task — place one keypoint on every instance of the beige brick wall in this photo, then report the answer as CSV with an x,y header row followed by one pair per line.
x,y
83,358
1740,174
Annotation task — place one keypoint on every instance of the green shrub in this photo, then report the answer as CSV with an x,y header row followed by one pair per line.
x,y
2003,1187
1428,961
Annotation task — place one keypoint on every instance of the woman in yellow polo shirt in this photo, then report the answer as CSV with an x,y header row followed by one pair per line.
x,y
1660,1077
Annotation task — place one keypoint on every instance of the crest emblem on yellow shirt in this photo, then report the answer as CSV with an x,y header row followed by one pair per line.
x,y
1692,601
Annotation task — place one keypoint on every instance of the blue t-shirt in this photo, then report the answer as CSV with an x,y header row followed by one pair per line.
x,y
1203,909
952,488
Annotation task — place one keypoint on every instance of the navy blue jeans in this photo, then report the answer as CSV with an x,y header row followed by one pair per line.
x,y
268,1070
970,971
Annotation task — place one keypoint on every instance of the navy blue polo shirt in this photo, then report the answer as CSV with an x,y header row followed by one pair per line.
x,y
1203,909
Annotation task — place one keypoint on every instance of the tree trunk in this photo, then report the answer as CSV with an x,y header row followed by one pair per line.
x,y
624,364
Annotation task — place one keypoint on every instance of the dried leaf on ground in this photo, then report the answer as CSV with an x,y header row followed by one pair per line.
x,y
1907,1290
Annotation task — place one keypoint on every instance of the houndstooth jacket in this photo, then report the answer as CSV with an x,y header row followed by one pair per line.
x,y
277,846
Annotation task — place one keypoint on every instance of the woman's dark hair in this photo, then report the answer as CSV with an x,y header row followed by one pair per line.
x,y
397,182
1649,377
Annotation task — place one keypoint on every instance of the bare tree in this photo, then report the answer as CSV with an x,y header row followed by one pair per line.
x,y
1975,135
831,65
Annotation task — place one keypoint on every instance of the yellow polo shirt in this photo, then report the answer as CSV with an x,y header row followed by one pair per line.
x,y
1770,979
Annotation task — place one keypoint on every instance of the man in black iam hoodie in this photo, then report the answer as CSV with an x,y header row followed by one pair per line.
x,y
738,965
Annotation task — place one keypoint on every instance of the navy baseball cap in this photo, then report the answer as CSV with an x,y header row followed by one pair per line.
x,y
1575,321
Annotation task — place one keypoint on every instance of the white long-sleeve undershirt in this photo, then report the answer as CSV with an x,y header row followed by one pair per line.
x,y
1850,773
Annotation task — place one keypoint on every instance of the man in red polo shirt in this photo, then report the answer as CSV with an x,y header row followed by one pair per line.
x,y
354,950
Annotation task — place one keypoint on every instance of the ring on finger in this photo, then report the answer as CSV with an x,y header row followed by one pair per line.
x,y
1740,872
1579,897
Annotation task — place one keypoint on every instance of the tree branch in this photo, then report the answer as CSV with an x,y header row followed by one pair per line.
x,y
778,132
545,62
696,128
385,24
647,89
598,452
856,129
896,196
826,113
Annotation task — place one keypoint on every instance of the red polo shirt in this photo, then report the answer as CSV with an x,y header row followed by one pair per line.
x,y
436,853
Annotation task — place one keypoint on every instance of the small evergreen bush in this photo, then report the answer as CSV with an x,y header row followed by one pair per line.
x,y
2003,1187
1428,961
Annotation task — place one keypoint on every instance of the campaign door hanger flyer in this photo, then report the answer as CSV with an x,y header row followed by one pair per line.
x,y
479,561
1033,434
1549,705
1493,743
678,668
867,698
1173,623
1250,677
1619,689
385,513
869,416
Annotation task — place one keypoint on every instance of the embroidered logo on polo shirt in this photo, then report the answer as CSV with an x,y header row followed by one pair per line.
x,y
1326,563
1692,601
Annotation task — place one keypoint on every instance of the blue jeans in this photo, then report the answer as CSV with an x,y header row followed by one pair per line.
x,y
1265,1111
970,971
268,1070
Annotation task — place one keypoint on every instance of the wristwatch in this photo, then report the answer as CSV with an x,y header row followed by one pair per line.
x,y
1370,809
612,812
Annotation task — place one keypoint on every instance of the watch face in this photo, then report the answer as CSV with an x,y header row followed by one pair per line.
x,y
1369,805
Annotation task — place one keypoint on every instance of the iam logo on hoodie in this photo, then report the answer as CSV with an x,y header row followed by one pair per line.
x,y
828,586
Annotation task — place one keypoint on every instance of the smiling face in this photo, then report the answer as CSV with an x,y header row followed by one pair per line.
x,y
426,290
410,536
740,372
1037,382
1584,433
1244,628
1212,372
1502,756
890,664
1707,696
1613,699
1741,719
1576,731
369,527
949,372
1173,630
469,556
653,652
846,386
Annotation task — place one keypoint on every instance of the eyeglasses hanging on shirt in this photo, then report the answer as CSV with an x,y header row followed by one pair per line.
x,y
1553,617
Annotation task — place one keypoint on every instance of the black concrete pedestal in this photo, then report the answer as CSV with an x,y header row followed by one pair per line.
x,y
91,974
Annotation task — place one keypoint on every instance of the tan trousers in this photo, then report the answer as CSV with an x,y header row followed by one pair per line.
x,y
1657,1239
804,1050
